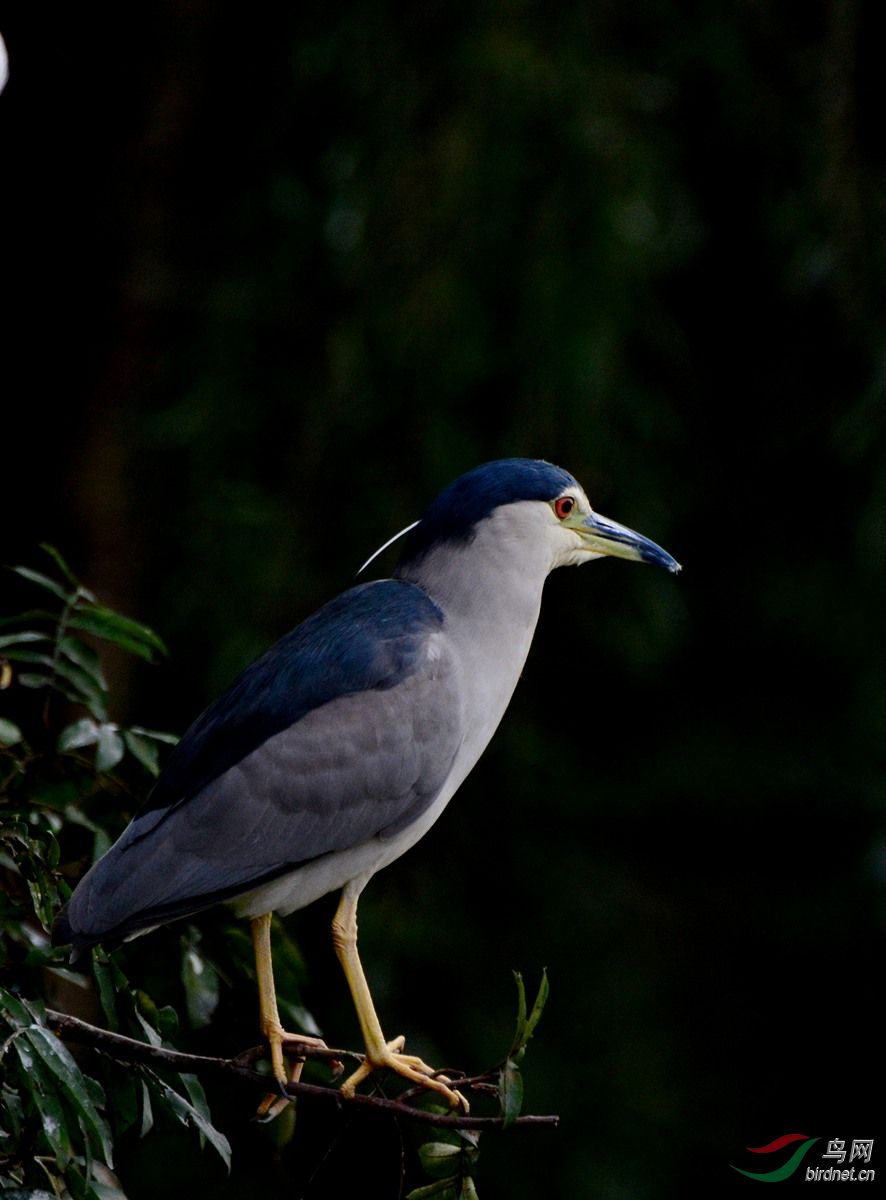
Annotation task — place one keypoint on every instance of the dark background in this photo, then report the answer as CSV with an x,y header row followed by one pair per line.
x,y
274,277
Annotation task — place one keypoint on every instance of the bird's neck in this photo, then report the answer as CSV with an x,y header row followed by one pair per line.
x,y
490,590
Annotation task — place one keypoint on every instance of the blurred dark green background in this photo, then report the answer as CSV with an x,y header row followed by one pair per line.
x,y
275,276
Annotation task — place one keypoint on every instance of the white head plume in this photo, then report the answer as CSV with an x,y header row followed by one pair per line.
x,y
389,542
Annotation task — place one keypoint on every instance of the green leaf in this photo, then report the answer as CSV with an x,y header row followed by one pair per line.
x,y
95,695
33,858
169,738
442,1189
10,734
83,1185
39,1083
55,1081
86,658
521,1015
52,853
110,748
60,563
107,991
167,1022
197,1095
439,1159
76,816
200,981
29,656
96,1091
45,582
538,1007
526,1024
121,631
150,1032
72,1083
12,1108
33,614
188,1114
26,635
86,690
81,733
147,1122
34,679
13,1011
143,751
43,896
38,679
215,1137
510,1092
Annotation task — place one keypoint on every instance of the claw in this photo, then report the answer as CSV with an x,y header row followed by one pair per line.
x,y
410,1067
272,1104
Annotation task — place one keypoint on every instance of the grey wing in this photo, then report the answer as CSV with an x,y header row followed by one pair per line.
x,y
362,766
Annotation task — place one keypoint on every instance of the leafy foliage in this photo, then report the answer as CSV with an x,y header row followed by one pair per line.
x,y
60,663
510,1080
69,772
45,1083
450,1157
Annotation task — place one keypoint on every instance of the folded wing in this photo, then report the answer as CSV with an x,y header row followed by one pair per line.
x,y
344,731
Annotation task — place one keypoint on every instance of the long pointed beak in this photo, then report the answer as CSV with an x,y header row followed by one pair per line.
x,y
602,536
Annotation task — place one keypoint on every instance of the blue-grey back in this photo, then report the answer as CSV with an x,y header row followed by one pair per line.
x,y
367,638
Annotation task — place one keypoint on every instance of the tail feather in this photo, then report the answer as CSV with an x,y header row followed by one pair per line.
x,y
91,916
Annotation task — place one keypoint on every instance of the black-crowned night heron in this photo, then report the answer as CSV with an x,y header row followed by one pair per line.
x,y
339,748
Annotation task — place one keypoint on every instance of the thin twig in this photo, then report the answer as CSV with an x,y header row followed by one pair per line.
x,y
129,1050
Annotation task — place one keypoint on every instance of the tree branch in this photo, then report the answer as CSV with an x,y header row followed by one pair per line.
x,y
128,1050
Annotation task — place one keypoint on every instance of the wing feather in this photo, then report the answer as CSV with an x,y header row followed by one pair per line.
x,y
346,731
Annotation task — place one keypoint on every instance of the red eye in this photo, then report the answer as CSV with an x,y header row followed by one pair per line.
x,y
564,506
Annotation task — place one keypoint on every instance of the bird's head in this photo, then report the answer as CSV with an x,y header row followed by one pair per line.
x,y
579,534
523,502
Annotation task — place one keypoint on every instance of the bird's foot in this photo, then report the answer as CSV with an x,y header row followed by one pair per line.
x,y
278,1038
390,1057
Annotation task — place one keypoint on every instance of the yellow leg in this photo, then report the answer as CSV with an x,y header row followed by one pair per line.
x,y
271,1028
379,1053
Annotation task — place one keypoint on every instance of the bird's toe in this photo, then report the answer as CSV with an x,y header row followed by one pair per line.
x,y
409,1066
